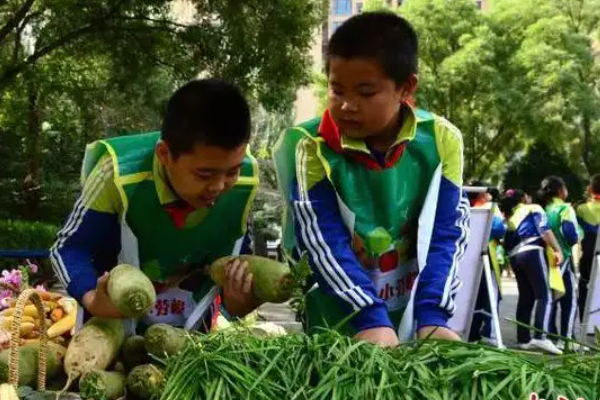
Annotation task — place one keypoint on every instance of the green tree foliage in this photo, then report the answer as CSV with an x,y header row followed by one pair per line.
x,y
376,5
268,204
260,45
523,72
541,160
71,72
563,73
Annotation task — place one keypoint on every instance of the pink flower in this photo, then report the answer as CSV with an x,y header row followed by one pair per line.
x,y
40,288
13,277
33,268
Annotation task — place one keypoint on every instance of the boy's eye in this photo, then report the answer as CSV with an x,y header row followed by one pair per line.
x,y
233,173
337,92
203,176
367,93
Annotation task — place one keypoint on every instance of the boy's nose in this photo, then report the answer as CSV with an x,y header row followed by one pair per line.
x,y
217,185
348,106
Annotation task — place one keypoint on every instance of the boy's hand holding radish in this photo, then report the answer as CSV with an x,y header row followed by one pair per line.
x,y
237,289
97,302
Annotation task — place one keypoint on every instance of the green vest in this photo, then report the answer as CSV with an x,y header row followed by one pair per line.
x,y
555,211
149,237
381,208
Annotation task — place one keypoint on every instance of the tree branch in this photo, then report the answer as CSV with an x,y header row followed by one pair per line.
x,y
137,29
15,20
17,47
159,21
174,68
494,147
580,15
11,73
28,18
18,34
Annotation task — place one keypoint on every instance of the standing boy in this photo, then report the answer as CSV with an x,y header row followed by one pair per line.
x,y
374,192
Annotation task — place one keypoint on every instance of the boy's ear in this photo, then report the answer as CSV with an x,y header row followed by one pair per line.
x,y
162,152
410,87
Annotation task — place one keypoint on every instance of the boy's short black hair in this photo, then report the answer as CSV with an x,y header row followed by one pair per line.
x,y
207,111
382,36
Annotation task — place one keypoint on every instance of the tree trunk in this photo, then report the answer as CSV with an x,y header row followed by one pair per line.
x,y
492,147
32,182
587,142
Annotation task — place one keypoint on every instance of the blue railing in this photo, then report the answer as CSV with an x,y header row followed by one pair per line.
x,y
37,253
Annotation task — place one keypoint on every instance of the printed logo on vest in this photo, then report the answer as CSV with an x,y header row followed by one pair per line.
x,y
378,251
394,287
390,263
172,307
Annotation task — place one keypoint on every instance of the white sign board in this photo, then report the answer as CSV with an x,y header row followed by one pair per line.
x,y
470,271
591,315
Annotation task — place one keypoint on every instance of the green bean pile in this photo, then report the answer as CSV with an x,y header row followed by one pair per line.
x,y
328,366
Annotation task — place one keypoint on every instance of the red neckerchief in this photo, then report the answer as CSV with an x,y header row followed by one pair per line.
x,y
479,203
596,197
329,131
179,211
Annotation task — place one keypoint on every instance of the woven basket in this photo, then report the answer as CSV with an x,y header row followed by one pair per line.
x,y
9,287
13,360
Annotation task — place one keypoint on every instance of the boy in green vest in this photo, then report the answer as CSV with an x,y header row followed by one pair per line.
x,y
374,192
170,202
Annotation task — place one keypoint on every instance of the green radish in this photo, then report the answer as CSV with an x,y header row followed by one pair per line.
x,y
28,363
271,280
95,346
130,291
145,381
102,385
134,352
162,340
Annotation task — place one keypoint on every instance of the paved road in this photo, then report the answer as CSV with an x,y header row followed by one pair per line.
x,y
508,309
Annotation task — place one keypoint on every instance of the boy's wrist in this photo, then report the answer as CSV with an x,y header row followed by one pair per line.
x,y
88,301
431,315
375,316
